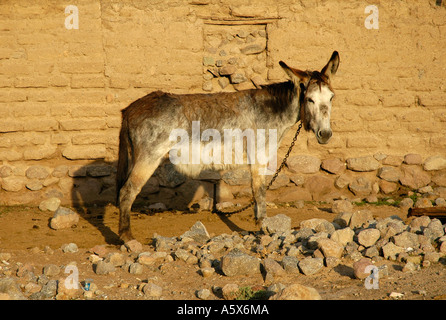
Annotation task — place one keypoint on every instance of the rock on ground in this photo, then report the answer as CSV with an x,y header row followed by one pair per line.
x,y
51,204
197,232
297,292
64,218
278,223
237,262
310,265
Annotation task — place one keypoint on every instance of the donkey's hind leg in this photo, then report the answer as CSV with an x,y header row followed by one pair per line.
x,y
138,177
259,192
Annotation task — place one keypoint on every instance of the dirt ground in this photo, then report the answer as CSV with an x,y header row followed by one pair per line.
x,y
24,233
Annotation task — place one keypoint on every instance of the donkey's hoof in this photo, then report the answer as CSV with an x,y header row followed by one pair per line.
x,y
133,246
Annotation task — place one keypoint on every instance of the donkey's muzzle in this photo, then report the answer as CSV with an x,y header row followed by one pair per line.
x,y
323,136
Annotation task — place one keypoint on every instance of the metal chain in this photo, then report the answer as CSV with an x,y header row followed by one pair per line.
x,y
276,174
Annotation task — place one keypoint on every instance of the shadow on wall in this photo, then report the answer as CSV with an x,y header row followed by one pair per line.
x,y
94,189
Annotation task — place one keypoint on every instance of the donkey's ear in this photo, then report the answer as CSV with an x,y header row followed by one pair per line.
x,y
332,66
296,75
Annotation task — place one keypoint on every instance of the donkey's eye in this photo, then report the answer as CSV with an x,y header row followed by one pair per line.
x,y
310,100
331,98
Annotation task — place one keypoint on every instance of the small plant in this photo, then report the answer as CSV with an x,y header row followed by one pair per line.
x,y
246,293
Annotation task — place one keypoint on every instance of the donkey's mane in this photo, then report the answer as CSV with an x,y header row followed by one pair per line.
x,y
281,95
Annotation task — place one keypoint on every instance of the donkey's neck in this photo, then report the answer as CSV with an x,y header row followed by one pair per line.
x,y
279,103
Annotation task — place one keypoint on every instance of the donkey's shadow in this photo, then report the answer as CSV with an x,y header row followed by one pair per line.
x,y
94,189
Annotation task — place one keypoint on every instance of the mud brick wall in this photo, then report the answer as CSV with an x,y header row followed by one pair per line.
x,y
61,92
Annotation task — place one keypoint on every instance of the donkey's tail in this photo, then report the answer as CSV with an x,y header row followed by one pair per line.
x,y
124,158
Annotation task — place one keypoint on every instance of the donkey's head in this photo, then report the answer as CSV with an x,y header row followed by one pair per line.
x,y
316,96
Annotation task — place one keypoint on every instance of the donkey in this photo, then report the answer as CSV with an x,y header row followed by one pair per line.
x,y
147,124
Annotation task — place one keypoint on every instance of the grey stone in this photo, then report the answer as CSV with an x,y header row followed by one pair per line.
x,y
297,292
49,290
227,70
312,242
310,265
343,219
275,224
406,240
330,248
9,287
208,61
237,262
13,184
303,164
342,181
436,229
325,226
341,206
409,267
391,251
390,174
343,236
334,166
361,187
412,158
252,49
440,202
371,252
197,232
303,234
34,185
362,164
164,243
223,82
207,85
51,270
368,237
414,177
50,204
273,267
312,223
406,203
237,78
115,258
37,172
186,256
103,268
132,246
136,268
5,171
64,218
203,294
359,218
69,248
434,163
290,264
423,203
152,290
392,228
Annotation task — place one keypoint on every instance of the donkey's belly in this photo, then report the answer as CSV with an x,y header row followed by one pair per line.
x,y
194,170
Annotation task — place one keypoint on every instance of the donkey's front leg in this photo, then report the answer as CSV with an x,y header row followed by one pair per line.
x,y
259,192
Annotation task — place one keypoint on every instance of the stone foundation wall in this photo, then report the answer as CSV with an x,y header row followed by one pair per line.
x,y
61,91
